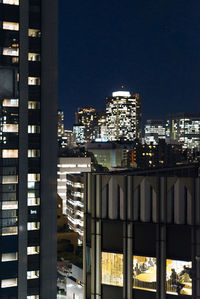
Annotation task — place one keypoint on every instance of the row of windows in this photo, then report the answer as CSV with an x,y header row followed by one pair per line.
x,y
178,273
12,282
15,26
13,230
15,103
13,153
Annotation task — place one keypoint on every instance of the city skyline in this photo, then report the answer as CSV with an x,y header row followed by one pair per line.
x,y
151,48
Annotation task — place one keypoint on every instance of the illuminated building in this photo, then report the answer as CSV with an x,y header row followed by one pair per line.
x,y
111,154
184,128
28,148
123,116
68,139
154,130
60,123
141,234
79,132
88,118
70,187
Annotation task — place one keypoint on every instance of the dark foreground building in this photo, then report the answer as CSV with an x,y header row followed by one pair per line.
x,y
28,133
142,234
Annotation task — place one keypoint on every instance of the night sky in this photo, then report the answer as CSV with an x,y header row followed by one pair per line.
x,y
150,46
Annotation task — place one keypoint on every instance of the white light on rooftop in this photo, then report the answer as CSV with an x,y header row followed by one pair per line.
x,y
121,94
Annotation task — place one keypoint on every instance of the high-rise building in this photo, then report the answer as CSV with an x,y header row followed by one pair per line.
x,y
60,123
71,189
88,118
79,133
154,130
142,234
123,116
184,128
28,148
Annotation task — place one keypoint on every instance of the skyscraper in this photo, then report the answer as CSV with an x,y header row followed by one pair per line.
x,y
154,130
184,128
28,134
123,116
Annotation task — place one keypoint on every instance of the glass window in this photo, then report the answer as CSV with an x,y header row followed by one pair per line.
x,y
12,2
33,274
33,57
10,128
10,51
33,177
34,33
10,179
8,231
33,129
33,153
33,250
33,297
33,105
8,153
11,26
33,225
8,283
179,277
112,268
10,103
33,80
9,205
144,273
32,201
8,257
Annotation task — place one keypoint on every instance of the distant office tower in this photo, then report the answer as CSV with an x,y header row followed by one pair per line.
x,y
71,189
100,131
79,132
184,128
28,148
68,139
154,130
88,118
123,116
141,234
60,123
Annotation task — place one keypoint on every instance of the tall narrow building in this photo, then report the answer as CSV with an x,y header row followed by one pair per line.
x,y
123,116
28,148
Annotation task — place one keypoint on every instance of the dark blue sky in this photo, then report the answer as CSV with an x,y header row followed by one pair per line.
x,y
150,46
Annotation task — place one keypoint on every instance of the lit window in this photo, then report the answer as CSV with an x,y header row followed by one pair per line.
x,y
15,59
33,105
33,177
10,103
10,128
8,283
10,51
33,80
34,33
9,205
8,153
32,201
10,179
33,297
33,129
11,26
33,274
33,225
144,273
33,250
8,257
12,2
33,153
8,231
33,57
179,277
112,268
